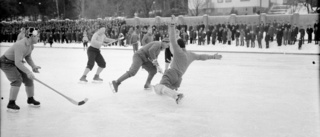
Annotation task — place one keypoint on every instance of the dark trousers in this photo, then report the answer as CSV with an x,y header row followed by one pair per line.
x,y
213,42
300,44
279,40
309,38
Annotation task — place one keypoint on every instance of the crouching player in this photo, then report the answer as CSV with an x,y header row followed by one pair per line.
x,y
147,58
16,72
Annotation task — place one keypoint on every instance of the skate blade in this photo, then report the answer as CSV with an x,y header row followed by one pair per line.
x,y
34,106
149,88
82,82
111,87
97,81
12,110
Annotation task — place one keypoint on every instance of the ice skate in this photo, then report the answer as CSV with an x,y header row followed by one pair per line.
x,y
83,80
114,86
179,98
12,107
33,103
147,86
97,79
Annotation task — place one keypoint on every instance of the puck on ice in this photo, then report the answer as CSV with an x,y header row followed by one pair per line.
x,y
312,62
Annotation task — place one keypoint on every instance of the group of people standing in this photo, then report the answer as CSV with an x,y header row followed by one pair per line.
x,y
251,34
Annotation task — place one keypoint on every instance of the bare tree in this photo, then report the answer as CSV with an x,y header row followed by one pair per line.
x,y
195,6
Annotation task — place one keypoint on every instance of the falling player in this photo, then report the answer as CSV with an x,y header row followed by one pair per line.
x,y
16,72
98,39
147,58
182,58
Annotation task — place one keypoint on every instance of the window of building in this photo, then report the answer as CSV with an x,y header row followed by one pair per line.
x,y
228,0
220,1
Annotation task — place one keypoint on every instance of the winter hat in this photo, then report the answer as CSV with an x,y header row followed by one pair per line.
x,y
31,31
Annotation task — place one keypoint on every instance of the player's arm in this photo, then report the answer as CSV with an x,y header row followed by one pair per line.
x,y
107,40
172,37
206,56
29,60
154,51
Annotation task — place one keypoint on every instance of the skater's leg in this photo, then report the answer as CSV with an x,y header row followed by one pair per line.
x,y
135,66
152,70
14,90
99,70
101,63
30,94
91,59
163,90
30,91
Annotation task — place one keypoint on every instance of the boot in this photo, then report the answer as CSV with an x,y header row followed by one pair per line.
x,y
83,78
147,86
12,107
150,77
115,85
97,78
33,102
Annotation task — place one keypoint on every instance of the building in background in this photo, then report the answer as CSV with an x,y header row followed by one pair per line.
x,y
227,7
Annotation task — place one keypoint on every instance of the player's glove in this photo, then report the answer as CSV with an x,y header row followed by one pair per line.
x,y
155,62
36,69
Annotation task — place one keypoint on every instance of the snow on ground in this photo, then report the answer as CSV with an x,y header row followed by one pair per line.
x,y
242,95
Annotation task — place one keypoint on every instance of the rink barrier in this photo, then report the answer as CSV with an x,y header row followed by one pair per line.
x,y
294,19
205,51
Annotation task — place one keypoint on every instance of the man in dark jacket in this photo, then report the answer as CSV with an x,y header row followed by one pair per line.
x,y
208,34
309,32
316,35
279,36
214,35
301,40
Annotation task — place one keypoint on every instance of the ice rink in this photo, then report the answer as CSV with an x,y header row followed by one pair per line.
x,y
241,95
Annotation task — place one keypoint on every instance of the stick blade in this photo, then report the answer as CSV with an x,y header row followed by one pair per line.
x,y
82,102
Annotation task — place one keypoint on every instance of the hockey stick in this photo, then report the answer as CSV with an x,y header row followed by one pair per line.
x,y
109,43
70,99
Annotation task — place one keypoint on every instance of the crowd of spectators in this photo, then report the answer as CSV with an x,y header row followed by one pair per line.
x,y
239,34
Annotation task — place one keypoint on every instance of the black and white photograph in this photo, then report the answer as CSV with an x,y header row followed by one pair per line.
x,y
159,68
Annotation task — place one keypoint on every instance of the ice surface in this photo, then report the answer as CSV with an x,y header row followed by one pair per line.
x,y
242,95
